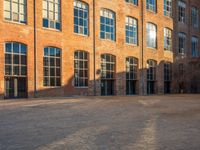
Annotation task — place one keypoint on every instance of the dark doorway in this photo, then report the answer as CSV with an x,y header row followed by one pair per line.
x,y
107,87
130,87
150,87
167,87
15,87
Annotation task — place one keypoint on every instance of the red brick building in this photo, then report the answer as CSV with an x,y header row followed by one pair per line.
x,y
91,47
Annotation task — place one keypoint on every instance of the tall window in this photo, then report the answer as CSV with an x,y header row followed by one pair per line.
x,y
135,2
52,69
195,47
151,5
151,70
107,66
182,43
195,17
15,10
131,31
167,72
107,24
151,40
167,39
181,11
168,8
131,68
51,14
15,59
80,69
80,17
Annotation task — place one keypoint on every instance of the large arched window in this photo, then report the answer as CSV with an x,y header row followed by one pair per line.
x,y
15,59
107,24
107,66
151,35
151,70
81,15
52,66
80,69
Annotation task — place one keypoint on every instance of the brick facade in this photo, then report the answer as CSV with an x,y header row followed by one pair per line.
x,y
68,42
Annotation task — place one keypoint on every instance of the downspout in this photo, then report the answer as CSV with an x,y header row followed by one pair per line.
x,y
35,48
142,15
94,48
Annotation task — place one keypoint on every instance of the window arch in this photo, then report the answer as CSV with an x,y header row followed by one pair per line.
x,y
81,68
15,59
52,66
107,24
81,15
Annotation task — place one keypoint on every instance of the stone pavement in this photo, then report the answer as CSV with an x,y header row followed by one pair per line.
x,y
170,122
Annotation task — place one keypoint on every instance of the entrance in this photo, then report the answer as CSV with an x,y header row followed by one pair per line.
x,y
15,87
107,87
150,87
130,87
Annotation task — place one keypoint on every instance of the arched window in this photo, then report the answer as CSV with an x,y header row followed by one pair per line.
x,y
107,24
81,15
151,34
167,39
131,68
15,59
151,70
52,66
131,30
80,69
107,66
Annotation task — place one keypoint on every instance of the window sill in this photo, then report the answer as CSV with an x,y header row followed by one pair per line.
x,y
83,35
51,29
151,11
13,22
108,40
134,45
81,87
131,4
152,48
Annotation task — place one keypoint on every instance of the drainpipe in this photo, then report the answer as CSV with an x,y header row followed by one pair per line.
x,y
35,48
94,48
142,15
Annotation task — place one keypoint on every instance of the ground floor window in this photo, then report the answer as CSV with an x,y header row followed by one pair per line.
x,y
151,76
108,63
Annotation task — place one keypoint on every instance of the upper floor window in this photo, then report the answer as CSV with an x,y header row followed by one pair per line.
x,y
182,43
151,34
195,17
15,59
107,24
80,69
194,47
135,2
167,39
15,10
131,31
51,14
181,11
52,69
168,8
81,13
151,5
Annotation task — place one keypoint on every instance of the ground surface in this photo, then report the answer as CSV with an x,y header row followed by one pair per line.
x,y
101,123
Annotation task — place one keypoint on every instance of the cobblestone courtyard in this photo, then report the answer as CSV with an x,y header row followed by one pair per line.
x,y
170,122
